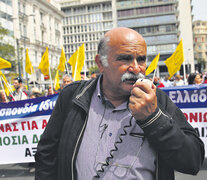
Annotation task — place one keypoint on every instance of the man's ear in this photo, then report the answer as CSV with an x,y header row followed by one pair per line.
x,y
99,63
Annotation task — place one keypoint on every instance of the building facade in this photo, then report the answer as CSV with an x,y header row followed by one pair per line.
x,y
163,23
86,22
6,21
200,44
37,25
6,15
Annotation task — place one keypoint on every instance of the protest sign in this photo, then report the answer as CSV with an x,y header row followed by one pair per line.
x,y
21,125
192,100
23,122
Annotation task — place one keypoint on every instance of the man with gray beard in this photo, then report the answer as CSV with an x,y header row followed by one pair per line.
x,y
119,125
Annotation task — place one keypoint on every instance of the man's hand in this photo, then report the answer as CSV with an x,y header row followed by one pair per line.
x,y
143,100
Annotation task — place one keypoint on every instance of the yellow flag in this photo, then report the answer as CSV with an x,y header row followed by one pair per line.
x,y
57,83
5,82
153,65
77,62
175,61
44,64
61,65
4,63
28,66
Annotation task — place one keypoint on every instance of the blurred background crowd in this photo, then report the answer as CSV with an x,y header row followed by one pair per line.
x,y
21,91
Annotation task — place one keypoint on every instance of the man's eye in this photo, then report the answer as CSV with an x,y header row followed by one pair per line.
x,y
124,58
141,59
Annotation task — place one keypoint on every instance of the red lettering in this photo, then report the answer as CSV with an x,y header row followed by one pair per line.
x,y
205,117
8,128
44,124
2,127
23,123
200,116
15,127
194,117
34,125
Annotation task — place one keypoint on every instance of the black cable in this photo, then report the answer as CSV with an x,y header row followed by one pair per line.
x,y
110,157
104,125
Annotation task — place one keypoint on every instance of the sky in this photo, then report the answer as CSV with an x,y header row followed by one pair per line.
x,y
199,10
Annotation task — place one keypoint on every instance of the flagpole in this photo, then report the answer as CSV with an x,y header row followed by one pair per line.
x,y
50,79
9,88
154,75
184,72
3,89
76,65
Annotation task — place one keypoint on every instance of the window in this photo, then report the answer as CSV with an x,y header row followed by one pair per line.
x,y
25,31
41,17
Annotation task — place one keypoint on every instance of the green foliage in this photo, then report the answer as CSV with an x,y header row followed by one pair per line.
x,y
7,51
93,69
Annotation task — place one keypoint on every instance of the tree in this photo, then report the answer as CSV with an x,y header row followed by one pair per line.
x,y
7,51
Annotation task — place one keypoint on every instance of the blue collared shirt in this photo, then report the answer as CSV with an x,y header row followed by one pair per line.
x,y
134,159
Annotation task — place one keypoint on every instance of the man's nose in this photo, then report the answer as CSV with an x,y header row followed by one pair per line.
x,y
134,67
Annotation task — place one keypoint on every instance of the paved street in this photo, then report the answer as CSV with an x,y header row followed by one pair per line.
x,y
22,172
16,172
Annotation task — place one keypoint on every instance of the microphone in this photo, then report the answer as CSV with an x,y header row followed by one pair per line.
x,y
145,81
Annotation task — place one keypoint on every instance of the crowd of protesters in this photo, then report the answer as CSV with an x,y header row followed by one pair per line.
x,y
178,80
21,93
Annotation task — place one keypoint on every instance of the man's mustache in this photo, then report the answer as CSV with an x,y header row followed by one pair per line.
x,y
131,76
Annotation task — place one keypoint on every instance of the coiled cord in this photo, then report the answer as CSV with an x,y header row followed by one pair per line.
x,y
111,156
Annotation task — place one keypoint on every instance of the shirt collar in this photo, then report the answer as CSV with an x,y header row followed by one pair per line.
x,y
104,100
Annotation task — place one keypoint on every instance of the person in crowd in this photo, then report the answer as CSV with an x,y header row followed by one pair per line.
x,y
35,93
166,82
3,97
50,91
178,81
205,79
20,92
93,75
194,78
114,127
158,83
66,80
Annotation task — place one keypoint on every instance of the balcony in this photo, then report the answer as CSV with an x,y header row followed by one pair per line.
x,y
24,39
23,16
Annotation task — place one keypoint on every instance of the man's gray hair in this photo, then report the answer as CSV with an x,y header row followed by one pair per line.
x,y
66,75
103,50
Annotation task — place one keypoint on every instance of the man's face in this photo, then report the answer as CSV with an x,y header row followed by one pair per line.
x,y
66,81
16,84
128,56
